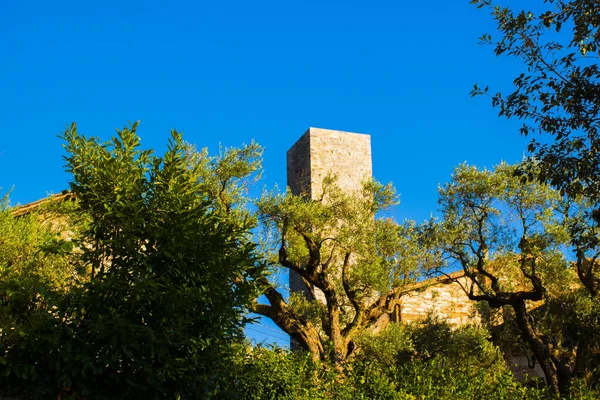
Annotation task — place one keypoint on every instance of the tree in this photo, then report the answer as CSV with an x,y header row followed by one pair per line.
x,y
226,179
355,264
169,273
510,238
558,96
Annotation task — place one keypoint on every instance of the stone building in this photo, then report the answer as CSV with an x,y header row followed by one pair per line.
x,y
319,152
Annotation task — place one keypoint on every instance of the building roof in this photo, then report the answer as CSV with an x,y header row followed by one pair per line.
x,y
30,207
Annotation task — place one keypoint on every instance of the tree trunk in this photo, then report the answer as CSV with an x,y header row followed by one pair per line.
x,y
340,347
540,350
300,329
310,341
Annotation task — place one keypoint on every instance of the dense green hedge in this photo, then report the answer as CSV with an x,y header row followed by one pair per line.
x,y
426,362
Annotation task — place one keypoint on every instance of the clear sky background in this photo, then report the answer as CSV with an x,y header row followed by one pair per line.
x,y
227,72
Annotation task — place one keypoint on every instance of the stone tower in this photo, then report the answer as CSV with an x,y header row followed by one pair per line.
x,y
320,152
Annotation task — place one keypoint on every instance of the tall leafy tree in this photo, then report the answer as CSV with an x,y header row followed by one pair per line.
x,y
168,265
558,96
559,93
170,273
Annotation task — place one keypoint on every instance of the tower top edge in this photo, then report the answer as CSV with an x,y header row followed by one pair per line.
x,y
319,134
315,130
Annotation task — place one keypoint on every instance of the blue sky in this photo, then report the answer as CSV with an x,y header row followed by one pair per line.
x,y
228,72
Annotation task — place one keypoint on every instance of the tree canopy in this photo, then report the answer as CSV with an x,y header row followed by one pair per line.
x,y
167,279
511,239
355,264
558,94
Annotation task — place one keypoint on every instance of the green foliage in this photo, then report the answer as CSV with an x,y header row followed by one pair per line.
x,y
431,360
390,347
572,321
261,373
341,222
511,238
510,232
169,277
226,178
32,249
277,374
432,340
557,94
382,370
36,271
438,381
344,248
464,346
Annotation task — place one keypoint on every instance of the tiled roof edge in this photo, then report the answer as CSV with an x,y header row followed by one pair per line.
x,y
30,207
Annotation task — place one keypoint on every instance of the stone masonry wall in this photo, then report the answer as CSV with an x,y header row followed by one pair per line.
x,y
322,151
442,298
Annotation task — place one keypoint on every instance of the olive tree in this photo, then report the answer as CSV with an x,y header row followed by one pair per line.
x,y
511,239
355,264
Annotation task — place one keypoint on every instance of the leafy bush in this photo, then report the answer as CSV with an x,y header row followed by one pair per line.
x,y
261,373
35,274
431,360
402,362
